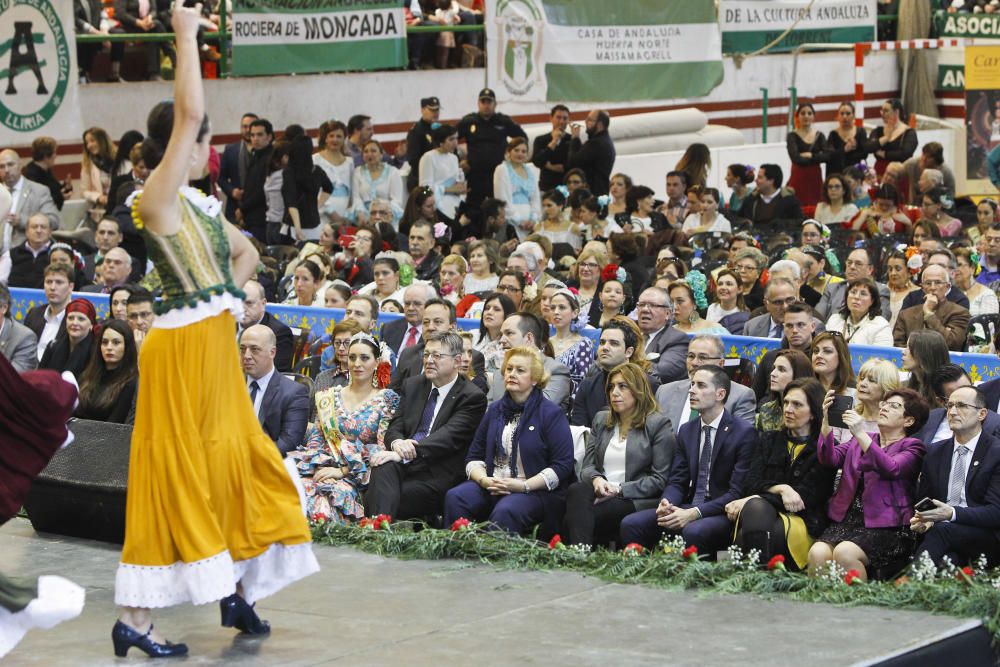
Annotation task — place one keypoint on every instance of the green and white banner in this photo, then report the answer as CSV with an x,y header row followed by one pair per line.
x,y
601,51
967,24
38,77
297,36
748,25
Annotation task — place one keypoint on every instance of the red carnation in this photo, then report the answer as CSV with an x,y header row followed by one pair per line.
x,y
965,574
691,553
365,522
381,521
556,542
383,374
632,549
610,272
459,524
776,563
851,577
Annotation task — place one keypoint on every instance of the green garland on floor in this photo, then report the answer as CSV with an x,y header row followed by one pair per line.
x,y
967,592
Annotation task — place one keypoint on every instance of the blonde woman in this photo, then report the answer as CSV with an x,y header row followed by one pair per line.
x,y
452,278
877,378
587,270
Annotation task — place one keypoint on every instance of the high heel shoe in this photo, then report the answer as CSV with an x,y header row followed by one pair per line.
x,y
236,613
125,638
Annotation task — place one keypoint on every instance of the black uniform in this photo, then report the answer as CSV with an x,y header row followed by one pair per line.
x,y
418,141
486,139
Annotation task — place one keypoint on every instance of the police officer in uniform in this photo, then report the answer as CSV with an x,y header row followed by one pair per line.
x,y
419,139
486,134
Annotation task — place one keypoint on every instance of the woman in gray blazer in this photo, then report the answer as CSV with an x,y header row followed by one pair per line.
x,y
625,466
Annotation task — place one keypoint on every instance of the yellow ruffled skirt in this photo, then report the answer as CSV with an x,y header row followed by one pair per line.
x,y
210,502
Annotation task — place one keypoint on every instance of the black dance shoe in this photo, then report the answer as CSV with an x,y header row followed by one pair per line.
x,y
236,613
125,638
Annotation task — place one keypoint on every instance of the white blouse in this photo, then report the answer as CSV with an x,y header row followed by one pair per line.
x,y
439,171
614,458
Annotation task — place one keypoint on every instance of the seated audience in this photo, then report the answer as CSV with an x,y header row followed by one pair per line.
x,y
409,330
620,343
70,350
46,319
569,348
982,299
871,509
674,398
936,313
18,343
876,379
428,441
860,320
788,365
24,265
351,423
281,404
729,309
769,201
709,470
749,264
831,361
685,293
520,461
899,283
497,307
334,366
626,462
527,330
857,267
665,345
925,351
113,271
111,378
961,476
789,488
254,312
141,314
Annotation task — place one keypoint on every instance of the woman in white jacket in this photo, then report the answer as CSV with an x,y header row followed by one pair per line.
x,y
515,181
860,321
440,172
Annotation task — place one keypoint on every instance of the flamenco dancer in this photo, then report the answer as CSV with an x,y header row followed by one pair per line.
x,y
34,408
212,512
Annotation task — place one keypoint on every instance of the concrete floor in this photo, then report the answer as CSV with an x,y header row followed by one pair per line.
x,y
367,610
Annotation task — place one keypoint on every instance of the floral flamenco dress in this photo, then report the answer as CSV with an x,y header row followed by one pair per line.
x,y
346,439
210,503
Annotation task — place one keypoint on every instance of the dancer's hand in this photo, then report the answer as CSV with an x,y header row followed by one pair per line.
x,y
186,19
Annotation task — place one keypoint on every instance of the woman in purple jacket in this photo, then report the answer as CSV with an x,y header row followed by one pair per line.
x,y
871,509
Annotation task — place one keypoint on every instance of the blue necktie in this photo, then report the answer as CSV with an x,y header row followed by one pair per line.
x,y
704,467
427,417
779,331
254,388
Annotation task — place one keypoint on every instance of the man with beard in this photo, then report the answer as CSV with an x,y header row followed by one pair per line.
x,y
596,157
233,166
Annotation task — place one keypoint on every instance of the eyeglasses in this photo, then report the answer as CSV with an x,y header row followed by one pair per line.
x,y
934,283
342,343
891,404
782,302
508,289
642,305
959,406
589,265
857,294
437,356
700,358
745,267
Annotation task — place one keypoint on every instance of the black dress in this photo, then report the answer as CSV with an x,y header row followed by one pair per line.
x,y
883,546
838,158
899,149
59,357
118,412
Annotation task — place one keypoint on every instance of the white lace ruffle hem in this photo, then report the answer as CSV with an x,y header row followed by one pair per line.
x,y
181,317
58,600
213,578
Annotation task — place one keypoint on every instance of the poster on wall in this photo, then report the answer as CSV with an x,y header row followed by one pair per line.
x,y
982,114
600,51
748,25
38,79
281,37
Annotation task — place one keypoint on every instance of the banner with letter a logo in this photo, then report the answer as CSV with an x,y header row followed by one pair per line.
x,y
38,79
289,36
602,51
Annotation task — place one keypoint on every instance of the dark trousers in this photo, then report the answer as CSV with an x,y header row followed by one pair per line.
x,y
760,527
480,187
85,53
402,493
153,49
590,523
961,544
709,535
516,513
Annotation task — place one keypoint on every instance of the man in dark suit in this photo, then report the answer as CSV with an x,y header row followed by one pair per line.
x,y
281,404
439,317
233,166
148,17
427,260
254,313
944,381
596,157
419,139
107,236
253,204
665,346
961,476
621,341
43,159
550,151
428,440
710,467
408,331
936,313
24,264
18,343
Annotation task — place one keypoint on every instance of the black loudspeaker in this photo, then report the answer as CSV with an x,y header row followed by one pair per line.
x,y
81,493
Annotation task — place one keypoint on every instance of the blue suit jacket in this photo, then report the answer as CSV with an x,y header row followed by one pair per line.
x,y
982,484
284,411
732,452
